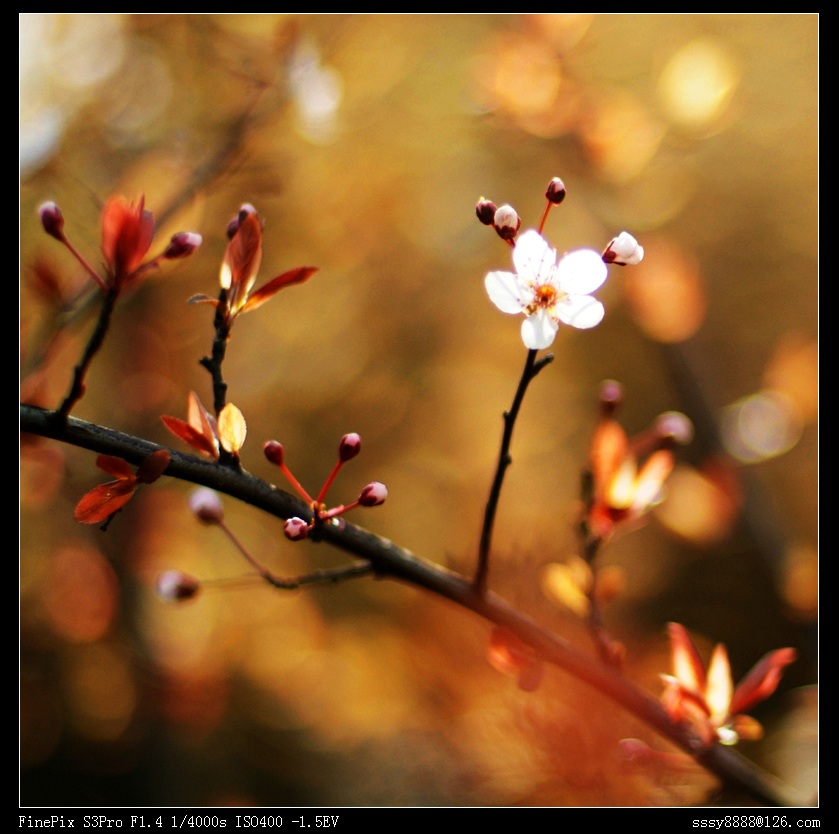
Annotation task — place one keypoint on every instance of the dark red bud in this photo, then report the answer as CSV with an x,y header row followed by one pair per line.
x,y
485,209
350,446
52,220
182,245
556,191
274,451
372,495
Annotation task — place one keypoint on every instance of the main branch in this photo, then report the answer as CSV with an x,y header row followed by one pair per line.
x,y
388,560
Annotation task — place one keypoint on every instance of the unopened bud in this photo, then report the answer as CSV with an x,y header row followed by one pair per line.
x,y
206,505
175,586
296,529
372,495
485,209
624,250
507,222
350,446
233,226
52,220
556,191
274,451
611,397
182,245
673,428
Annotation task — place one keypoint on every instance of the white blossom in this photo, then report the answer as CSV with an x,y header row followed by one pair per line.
x,y
548,291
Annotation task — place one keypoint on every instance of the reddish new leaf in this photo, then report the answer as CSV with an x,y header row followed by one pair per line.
x,y
153,466
117,467
104,500
287,279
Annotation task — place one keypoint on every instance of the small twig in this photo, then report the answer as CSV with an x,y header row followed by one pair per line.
x,y
531,369
213,364
322,576
91,349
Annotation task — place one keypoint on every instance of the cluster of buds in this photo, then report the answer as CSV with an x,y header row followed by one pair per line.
x,y
371,495
622,250
550,288
621,490
127,234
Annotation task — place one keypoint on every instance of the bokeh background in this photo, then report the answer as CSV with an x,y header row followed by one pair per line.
x,y
364,142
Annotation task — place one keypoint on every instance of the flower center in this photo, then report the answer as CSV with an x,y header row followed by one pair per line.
x,y
544,297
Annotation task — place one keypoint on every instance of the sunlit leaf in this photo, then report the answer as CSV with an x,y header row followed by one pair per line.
x,y
232,428
287,279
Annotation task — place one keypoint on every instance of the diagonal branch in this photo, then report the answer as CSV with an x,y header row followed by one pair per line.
x,y
388,560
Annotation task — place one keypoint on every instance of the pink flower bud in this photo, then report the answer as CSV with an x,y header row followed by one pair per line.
x,y
624,250
507,222
182,245
350,446
274,452
296,529
175,586
485,209
206,505
673,427
611,397
52,220
372,495
556,191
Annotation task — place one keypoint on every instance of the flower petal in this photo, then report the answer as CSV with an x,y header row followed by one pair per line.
x,y
580,311
762,680
503,291
581,272
538,331
534,259
687,665
719,687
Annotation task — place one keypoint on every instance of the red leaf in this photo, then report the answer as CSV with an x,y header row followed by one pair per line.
x,y
104,500
153,466
241,262
117,467
287,279
184,431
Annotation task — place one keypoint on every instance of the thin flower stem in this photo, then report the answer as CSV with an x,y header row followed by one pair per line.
x,y
531,368
85,265
545,214
77,388
328,482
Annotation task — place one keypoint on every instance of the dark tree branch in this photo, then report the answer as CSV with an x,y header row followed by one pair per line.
x,y
388,560
531,369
